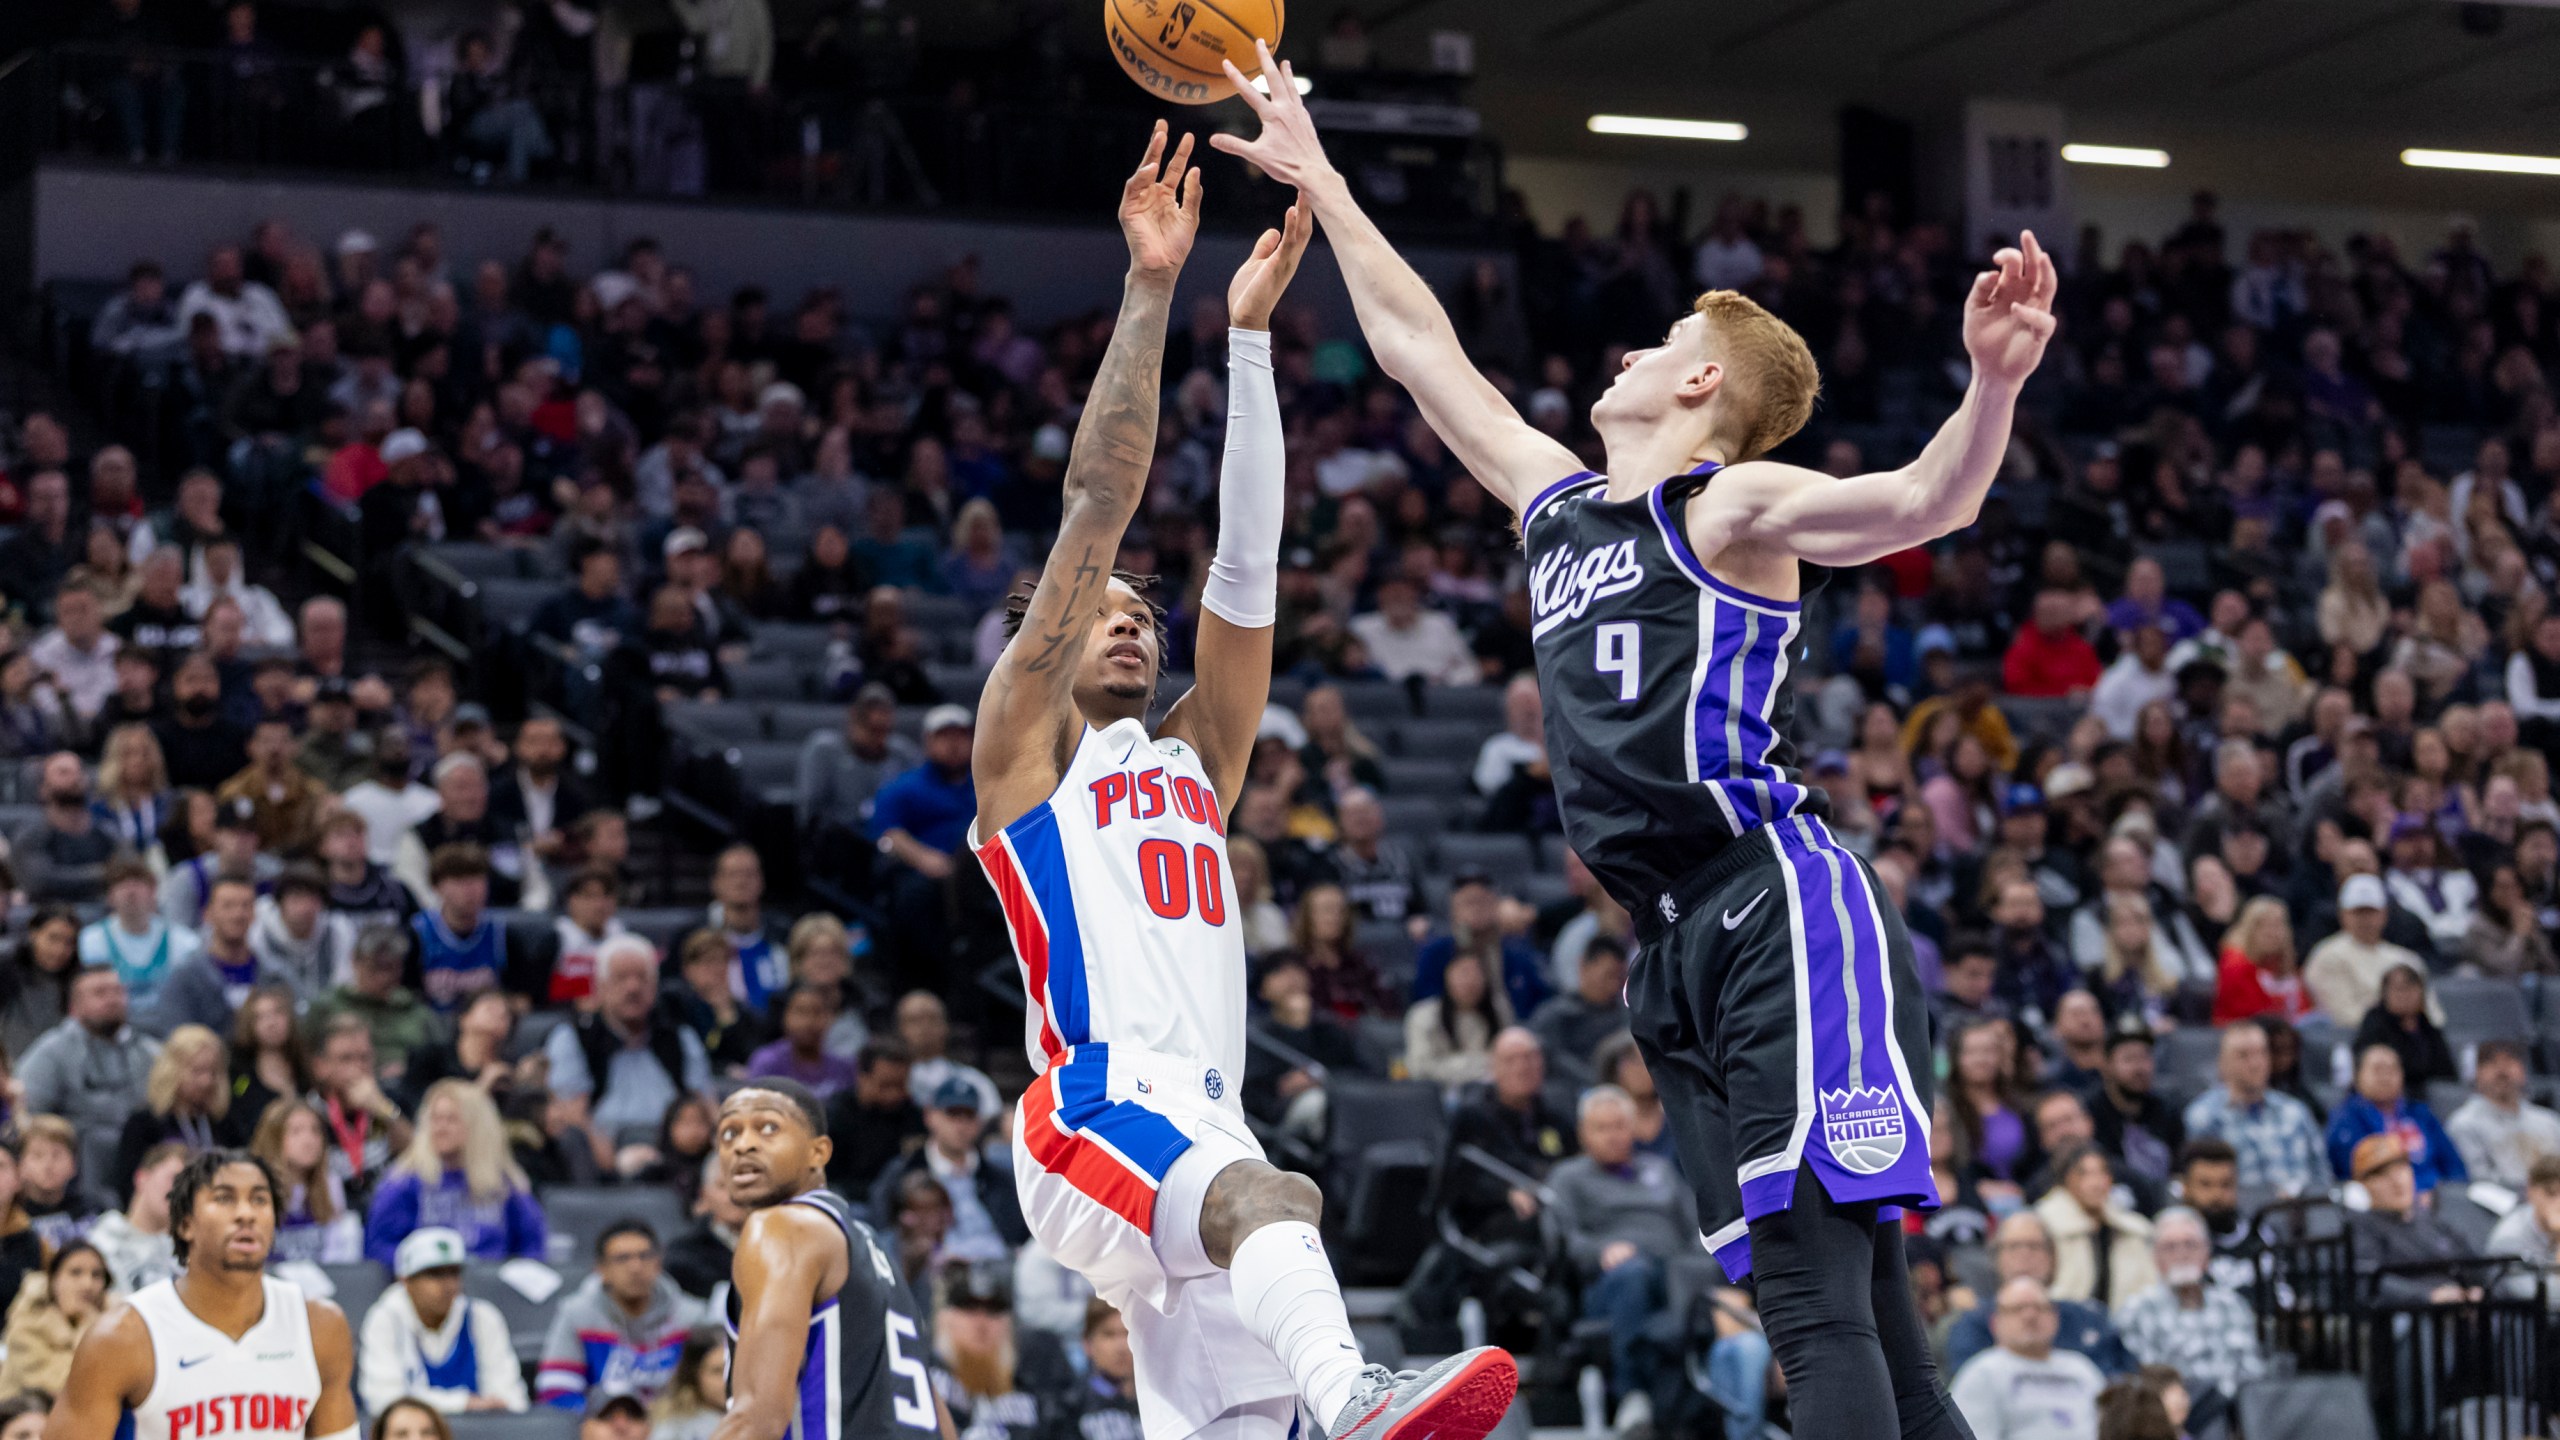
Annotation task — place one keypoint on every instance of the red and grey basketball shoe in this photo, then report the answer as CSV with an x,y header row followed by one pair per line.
x,y
1461,1398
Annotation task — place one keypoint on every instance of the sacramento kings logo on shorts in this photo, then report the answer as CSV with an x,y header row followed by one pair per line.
x,y
1864,1128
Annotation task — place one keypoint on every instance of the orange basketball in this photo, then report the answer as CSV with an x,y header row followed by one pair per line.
x,y
1172,47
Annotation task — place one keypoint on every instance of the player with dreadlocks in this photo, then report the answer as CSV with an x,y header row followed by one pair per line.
x,y
223,1349
1106,844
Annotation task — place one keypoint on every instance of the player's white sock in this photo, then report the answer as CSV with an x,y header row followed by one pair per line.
x,y
1286,1293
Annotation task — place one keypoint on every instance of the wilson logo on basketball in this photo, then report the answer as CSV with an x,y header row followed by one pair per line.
x,y
1864,1128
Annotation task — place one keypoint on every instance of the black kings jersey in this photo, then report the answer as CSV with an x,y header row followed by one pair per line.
x,y
864,1375
1665,688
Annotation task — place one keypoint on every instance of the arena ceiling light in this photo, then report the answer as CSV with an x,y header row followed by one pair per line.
x,y
2477,160
2137,156
1663,129
1304,85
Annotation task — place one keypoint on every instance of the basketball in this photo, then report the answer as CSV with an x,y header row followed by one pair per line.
x,y
1172,47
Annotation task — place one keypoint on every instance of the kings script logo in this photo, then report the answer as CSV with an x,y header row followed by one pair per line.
x,y
1864,1128
1562,585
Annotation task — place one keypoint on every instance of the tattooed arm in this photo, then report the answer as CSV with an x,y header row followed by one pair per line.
x,y
1027,720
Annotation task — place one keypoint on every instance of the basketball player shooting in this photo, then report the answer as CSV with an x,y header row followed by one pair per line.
x,y
822,1325
1107,847
1774,997
224,1348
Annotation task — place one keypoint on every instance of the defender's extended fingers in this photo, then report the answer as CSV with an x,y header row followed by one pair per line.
x,y
1155,150
1181,162
1191,197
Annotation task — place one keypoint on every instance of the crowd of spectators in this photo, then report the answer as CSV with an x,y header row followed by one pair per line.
x,y
2234,714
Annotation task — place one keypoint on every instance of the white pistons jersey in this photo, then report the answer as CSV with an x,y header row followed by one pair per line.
x,y
205,1384
1123,910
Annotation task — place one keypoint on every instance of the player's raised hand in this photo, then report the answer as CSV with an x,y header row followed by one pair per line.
x,y
1287,149
2009,316
1160,207
1255,291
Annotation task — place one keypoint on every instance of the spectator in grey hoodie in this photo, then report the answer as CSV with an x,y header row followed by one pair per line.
x,y
91,1069
294,935
623,1329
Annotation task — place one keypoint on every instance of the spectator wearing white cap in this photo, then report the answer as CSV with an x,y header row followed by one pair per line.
x,y
2345,971
920,822
264,623
426,1340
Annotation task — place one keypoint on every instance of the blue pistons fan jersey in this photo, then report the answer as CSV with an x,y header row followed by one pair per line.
x,y
1667,706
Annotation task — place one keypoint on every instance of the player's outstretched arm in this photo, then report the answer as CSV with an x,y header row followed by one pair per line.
x,y
776,1276
110,1369
333,1348
2008,317
1406,327
1026,715
1241,602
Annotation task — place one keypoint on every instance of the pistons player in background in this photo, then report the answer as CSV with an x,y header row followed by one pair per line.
x,y
1774,1000
224,1349
1106,843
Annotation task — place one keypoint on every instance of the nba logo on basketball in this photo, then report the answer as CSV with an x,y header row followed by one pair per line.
x,y
1864,1127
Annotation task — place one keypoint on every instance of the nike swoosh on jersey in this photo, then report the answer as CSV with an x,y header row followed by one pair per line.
x,y
1731,920
186,1364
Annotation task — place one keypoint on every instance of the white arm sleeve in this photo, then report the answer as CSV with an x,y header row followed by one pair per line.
x,y
1244,577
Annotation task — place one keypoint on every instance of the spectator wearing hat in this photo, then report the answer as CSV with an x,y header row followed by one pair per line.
x,y
2500,1134
389,800
284,800
397,1023
611,1413
2381,1105
2344,972
2443,897
2274,1138
133,938
2396,1238
1576,1023
402,507
986,1217
1476,926
425,1340
622,1330
1000,1380
920,826
333,751
2133,1123
2400,1020
2049,659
